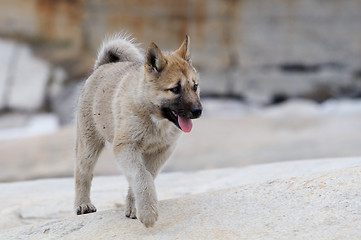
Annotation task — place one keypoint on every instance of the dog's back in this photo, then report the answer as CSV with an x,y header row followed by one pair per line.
x,y
95,101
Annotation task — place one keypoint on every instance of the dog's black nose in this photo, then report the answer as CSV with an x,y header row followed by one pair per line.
x,y
196,112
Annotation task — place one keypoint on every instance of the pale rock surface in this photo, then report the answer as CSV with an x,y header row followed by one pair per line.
x,y
32,125
7,50
12,120
29,80
64,103
315,199
228,135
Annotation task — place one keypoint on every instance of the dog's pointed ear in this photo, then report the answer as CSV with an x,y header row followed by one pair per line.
x,y
184,51
154,59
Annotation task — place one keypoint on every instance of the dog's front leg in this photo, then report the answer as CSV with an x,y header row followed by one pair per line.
x,y
141,182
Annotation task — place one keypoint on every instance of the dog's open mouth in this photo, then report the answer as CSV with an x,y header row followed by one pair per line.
x,y
185,124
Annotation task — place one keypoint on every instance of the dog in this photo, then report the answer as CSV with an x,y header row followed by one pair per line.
x,y
140,104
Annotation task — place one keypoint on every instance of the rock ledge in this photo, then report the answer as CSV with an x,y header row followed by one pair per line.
x,y
318,205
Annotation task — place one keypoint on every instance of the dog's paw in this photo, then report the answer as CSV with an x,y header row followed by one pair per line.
x,y
130,212
148,215
85,208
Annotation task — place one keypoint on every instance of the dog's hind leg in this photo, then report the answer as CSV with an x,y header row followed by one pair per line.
x,y
88,147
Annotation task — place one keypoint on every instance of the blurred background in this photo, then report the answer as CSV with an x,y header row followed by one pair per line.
x,y
280,79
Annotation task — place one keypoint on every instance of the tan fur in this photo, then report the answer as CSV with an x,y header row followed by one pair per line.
x,y
122,103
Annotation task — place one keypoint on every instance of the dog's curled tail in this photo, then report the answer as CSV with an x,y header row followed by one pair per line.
x,y
118,48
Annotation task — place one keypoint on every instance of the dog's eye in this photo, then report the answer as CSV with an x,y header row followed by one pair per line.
x,y
195,87
175,90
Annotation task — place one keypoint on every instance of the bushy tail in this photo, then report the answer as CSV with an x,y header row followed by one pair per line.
x,y
118,48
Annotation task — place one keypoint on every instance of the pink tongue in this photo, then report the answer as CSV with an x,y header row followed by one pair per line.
x,y
185,124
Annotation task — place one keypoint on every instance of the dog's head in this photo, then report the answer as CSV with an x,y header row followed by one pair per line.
x,y
172,85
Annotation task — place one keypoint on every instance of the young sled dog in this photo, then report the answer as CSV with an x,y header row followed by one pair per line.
x,y
141,106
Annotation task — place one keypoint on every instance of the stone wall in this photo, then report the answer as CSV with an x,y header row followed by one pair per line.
x,y
59,21
261,50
